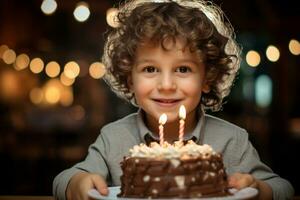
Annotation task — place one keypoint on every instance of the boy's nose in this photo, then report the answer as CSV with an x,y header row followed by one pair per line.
x,y
166,82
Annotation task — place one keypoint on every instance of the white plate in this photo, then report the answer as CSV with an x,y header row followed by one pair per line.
x,y
113,191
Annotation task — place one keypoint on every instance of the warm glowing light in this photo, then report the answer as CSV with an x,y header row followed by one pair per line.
x,y
65,80
36,65
111,17
294,47
81,12
48,6
182,115
52,94
22,61
52,69
9,85
36,95
72,70
66,98
253,58
9,56
3,48
162,120
97,70
182,112
272,53
55,92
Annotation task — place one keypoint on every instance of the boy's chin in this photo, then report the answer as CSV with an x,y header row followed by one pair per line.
x,y
172,118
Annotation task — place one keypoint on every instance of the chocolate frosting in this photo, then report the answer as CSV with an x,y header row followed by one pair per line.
x,y
194,177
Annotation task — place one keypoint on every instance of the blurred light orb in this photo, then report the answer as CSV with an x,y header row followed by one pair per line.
x,y
81,12
111,17
272,53
65,80
48,7
253,58
97,70
71,70
52,91
52,69
263,91
22,61
294,47
36,95
66,97
36,65
52,94
9,56
9,85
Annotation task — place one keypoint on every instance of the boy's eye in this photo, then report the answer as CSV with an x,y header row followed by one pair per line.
x,y
183,69
150,69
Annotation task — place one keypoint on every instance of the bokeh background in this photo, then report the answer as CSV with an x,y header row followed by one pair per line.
x,y
53,101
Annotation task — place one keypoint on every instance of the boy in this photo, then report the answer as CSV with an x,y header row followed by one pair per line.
x,y
164,54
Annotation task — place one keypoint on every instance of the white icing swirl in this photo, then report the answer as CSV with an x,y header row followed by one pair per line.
x,y
176,150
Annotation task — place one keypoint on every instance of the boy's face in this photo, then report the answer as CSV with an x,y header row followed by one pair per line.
x,y
162,80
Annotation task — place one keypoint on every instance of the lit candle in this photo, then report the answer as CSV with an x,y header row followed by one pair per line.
x,y
182,115
162,121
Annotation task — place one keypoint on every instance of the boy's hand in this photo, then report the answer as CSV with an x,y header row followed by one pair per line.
x,y
240,181
82,182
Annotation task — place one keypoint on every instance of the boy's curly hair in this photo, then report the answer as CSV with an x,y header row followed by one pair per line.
x,y
200,23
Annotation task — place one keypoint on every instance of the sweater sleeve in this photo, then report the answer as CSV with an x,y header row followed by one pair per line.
x,y
246,160
95,162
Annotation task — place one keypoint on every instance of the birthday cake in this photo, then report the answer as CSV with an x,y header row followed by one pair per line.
x,y
168,171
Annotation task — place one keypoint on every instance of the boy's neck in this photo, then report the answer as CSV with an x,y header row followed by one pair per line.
x,y
171,129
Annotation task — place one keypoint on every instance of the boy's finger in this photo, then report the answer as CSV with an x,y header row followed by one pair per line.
x,y
100,185
233,180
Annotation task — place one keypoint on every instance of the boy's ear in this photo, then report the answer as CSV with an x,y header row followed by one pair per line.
x,y
206,87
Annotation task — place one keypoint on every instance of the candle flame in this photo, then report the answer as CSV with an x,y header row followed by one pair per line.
x,y
163,119
182,112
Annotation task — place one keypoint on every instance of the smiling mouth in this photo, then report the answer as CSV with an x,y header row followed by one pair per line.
x,y
166,101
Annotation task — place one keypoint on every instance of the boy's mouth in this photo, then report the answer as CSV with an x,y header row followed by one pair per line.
x,y
167,101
